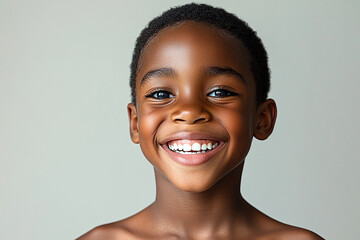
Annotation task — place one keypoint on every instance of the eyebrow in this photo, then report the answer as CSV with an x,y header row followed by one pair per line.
x,y
170,72
214,71
161,72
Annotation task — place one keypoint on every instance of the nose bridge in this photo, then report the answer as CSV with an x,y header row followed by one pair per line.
x,y
190,108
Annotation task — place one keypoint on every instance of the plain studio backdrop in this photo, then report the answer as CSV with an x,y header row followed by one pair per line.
x,y
67,162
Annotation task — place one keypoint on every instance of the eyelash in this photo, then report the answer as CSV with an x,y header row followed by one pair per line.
x,y
222,91
216,93
155,94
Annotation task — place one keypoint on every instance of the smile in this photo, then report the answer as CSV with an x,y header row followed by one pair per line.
x,y
192,146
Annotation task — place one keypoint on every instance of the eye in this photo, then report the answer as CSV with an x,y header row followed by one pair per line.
x,y
160,94
221,93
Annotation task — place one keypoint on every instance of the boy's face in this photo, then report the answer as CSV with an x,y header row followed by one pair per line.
x,y
194,91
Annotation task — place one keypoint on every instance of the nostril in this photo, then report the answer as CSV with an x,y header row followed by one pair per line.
x,y
179,120
199,120
190,116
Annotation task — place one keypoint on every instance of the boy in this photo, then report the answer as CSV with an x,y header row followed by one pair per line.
x,y
199,81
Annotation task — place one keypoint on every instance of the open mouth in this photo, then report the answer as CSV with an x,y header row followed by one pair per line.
x,y
192,146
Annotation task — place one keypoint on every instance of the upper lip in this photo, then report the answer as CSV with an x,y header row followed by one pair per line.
x,y
191,136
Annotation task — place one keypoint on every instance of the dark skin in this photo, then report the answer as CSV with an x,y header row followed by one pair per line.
x,y
192,86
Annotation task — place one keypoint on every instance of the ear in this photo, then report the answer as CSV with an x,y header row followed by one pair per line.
x,y
265,119
133,123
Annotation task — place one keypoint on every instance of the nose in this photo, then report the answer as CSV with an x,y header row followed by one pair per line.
x,y
190,113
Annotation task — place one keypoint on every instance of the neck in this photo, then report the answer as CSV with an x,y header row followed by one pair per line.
x,y
207,212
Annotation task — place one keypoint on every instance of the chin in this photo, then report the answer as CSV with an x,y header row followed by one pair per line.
x,y
193,187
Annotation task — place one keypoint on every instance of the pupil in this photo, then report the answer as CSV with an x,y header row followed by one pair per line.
x,y
219,93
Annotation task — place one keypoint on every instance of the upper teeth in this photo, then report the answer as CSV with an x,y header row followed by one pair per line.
x,y
197,147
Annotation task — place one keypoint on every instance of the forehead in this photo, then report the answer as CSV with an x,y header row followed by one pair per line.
x,y
192,46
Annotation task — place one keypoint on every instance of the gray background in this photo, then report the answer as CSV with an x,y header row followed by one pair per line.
x,y
67,162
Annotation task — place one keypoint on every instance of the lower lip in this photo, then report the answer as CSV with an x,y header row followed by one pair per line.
x,y
192,159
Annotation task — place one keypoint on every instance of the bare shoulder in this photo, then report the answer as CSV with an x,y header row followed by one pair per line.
x,y
127,228
111,231
295,233
291,233
271,229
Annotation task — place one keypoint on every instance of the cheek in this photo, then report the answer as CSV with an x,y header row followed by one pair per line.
x,y
238,123
241,127
149,123
238,119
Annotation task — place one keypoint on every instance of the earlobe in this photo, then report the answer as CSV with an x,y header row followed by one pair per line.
x,y
265,119
133,123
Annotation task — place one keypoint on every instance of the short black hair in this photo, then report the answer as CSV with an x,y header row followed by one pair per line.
x,y
219,18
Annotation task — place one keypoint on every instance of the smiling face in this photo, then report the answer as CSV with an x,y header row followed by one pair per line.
x,y
195,113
